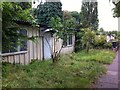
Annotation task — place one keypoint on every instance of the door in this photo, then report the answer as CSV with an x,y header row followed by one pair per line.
x,y
47,45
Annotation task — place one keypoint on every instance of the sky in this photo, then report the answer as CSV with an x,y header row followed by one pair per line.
x,y
105,13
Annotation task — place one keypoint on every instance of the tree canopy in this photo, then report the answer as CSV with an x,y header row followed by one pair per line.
x,y
47,10
116,9
89,15
76,15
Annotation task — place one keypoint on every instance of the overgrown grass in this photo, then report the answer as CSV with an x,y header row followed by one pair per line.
x,y
72,71
101,56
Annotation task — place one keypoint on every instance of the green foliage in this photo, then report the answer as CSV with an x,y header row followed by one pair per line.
x,y
66,15
108,45
88,38
100,40
73,70
78,40
48,10
13,11
63,28
76,15
102,56
77,32
89,15
118,35
87,18
19,11
101,30
116,9
50,14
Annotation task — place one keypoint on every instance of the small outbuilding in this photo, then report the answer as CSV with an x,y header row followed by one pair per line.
x,y
46,43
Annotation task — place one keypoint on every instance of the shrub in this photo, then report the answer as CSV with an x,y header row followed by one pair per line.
x,y
78,41
118,35
88,38
108,45
99,42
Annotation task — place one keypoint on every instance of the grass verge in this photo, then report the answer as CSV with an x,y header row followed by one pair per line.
x,y
76,70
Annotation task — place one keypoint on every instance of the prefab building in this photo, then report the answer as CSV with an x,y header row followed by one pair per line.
x,y
41,49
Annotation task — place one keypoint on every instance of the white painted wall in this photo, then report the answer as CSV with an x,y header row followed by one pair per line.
x,y
66,49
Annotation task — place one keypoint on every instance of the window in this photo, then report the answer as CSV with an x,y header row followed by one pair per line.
x,y
69,41
23,46
14,47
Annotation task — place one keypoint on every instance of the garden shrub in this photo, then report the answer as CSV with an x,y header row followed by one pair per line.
x,y
108,45
99,42
118,35
78,41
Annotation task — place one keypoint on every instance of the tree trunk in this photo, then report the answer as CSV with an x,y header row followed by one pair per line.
x,y
56,55
88,46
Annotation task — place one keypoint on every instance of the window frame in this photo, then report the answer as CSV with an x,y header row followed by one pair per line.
x,y
68,42
18,48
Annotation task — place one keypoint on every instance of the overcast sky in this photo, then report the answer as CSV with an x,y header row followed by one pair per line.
x,y
106,20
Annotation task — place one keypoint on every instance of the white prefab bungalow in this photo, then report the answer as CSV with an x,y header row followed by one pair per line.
x,y
39,50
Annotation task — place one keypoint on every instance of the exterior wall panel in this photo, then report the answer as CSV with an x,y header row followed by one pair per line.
x,y
66,49
33,49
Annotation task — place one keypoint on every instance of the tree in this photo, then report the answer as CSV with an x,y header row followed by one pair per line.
x,y
78,32
50,14
12,11
66,15
116,9
118,35
76,15
78,40
88,38
63,28
101,30
89,15
48,10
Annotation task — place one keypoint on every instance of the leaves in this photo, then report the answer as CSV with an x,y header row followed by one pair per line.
x,y
100,40
116,10
89,15
14,11
46,11
88,38
63,28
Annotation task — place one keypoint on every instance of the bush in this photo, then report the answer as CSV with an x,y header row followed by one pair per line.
x,y
108,45
99,42
78,41
118,35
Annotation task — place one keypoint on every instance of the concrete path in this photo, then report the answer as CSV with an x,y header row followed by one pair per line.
x,y
112,77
